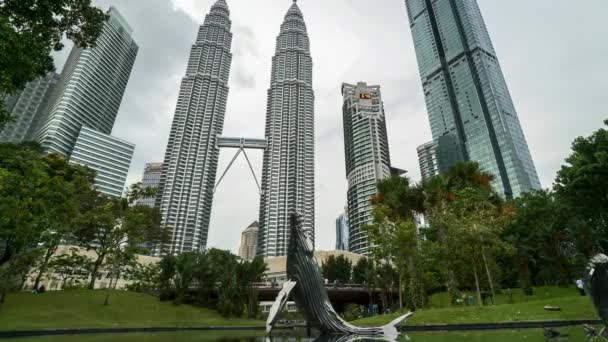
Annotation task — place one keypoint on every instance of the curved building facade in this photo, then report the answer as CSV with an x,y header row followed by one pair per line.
x,y
288,170
189,170
367,156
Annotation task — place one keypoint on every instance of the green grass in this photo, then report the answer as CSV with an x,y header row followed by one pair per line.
x,y
441,300
532,309
156,337
84,309
574,334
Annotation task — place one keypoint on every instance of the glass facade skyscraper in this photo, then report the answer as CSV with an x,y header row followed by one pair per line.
x,y
187,182
470,109
150,179
367,156
342,232
108,156
25,105
90,89
288,176
427,158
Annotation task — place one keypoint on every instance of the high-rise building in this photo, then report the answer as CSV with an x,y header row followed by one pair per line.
x,y
150,179
466,94
25,105
249,242
90,89
190,165
367,156
427,158
289,165
108,156
342,231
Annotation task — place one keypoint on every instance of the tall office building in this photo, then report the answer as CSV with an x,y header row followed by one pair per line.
x,y
90,90
367,156
249,242
108,156
289,165
466,94
25,105
190,165
150,179
427,158
342,232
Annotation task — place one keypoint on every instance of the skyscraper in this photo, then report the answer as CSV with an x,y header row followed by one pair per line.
x,y
289,166
342,232
367,156
249,242
108,156
150,179
466,94
190,165
90,90
25,105
427,158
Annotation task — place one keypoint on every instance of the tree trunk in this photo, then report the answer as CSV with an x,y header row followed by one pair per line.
x,y
95,272
477,285
400,291
47,257
490,280
108,291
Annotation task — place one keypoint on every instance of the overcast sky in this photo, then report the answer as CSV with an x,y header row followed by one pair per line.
x,y
553,53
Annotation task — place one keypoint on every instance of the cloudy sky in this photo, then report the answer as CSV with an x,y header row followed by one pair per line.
x,y
553,53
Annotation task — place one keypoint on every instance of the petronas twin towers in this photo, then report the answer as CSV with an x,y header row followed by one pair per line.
x,y
189,171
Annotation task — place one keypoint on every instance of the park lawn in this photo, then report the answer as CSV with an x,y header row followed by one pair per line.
x,y
441,300
84,309
185,336
573,308
533,335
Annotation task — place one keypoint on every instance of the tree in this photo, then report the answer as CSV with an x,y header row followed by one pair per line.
x,y
113,223
31,29
337,269
249,273
41,198
583,185
70,267
119,262
364,272
146,278
12,272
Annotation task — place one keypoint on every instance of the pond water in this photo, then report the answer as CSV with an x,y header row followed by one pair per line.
x,y
573,334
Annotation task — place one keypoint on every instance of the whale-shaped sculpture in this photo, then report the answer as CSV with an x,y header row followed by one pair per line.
x,y
596,285
308,289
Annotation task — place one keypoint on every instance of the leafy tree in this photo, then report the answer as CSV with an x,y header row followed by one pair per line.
x,y
583,185
249,273
364,272
543,248
118,262
337,269
31,29
70,267
145,278
13,272
113,223
41,198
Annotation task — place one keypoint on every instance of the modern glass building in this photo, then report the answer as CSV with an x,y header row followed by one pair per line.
x,y
427,158
189,170
466,94
108,156
342,232
90,89
25,105
288,174
367,156
150,179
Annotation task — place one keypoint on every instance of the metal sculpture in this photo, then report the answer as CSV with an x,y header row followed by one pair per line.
x,y
307,287
596,285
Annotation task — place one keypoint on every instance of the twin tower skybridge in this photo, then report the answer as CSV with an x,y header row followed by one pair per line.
x,y
242,145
